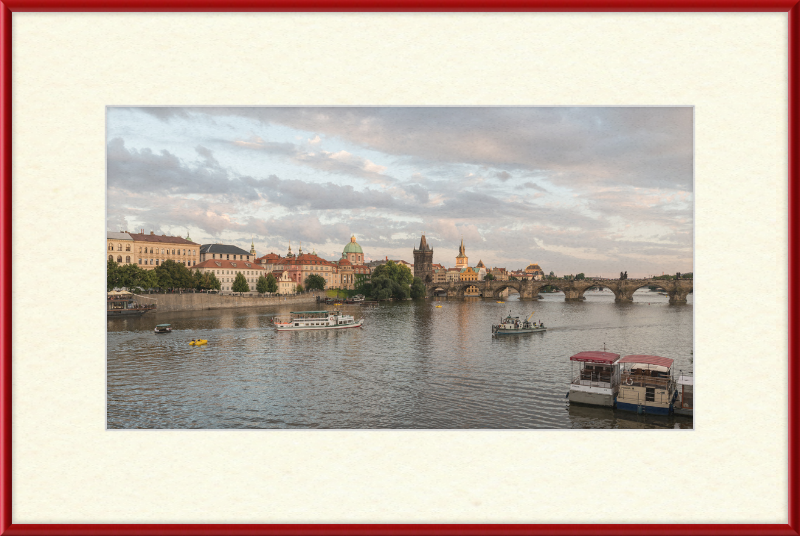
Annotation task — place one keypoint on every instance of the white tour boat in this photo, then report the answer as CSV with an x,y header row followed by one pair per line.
x,y
684,404
597,380
313,320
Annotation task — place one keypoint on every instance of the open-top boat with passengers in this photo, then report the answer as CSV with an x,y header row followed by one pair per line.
x,y
597,379
315,320
646,384
163,328
511,325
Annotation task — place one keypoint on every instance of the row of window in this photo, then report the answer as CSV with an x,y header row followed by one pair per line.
x,y
228,257
163,251
157,261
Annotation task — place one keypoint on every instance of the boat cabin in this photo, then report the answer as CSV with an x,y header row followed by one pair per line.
x,y
596,380
646,384
684,403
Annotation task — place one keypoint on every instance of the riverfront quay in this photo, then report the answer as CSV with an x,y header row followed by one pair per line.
x,y
412,365
199,301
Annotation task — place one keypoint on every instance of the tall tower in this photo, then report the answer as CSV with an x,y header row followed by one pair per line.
x,y
253,248
423,261
462,260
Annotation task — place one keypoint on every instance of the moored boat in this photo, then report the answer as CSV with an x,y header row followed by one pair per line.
x,y
646,384
511,325
684,403
597,380
316,320
123,304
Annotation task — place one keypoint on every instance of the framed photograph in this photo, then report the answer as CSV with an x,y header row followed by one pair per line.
x,y
399,269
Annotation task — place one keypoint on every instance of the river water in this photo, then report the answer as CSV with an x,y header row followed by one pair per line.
x,y
412,365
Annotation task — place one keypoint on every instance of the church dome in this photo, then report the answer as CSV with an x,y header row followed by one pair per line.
x,y
352,246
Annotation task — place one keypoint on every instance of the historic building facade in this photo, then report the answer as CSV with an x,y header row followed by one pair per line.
x,y
534,271
226,271
423,261
151,250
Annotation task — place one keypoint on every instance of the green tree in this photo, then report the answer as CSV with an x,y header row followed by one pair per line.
x,y
512,278
418,289
552,275
172,274
395,272
315,282
299,288
261,284
112,275
272,283
384,288
580,276
488,277
240,284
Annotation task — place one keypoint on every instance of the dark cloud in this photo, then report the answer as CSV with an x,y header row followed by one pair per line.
x,y
503,175
640,146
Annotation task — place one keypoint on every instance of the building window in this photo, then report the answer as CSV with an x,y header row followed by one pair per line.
x,y
157,262
119,247
128,259
119,258
140,261
111,247
127,247
111,258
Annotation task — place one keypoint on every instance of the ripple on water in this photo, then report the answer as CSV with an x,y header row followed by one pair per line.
x,y
411,366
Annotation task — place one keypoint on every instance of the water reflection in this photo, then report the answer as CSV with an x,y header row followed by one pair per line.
x,y
412,365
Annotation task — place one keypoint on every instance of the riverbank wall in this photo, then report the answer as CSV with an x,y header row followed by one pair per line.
x,y
203,301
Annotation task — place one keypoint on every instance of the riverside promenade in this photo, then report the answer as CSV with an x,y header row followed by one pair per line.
x,y
203,301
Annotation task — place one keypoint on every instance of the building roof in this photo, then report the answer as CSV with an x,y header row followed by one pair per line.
x,y
423,244
118,236
236,265
352,246
595,357
164,239
534,267
648,360
310,258
224,249
270,258
480,265
345,262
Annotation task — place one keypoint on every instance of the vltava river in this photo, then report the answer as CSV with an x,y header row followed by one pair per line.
x,y
412,365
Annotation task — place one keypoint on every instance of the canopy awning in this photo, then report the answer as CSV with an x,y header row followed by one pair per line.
x,y
606,358
648,360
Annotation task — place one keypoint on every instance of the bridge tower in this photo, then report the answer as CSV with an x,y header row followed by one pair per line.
x,y
423,261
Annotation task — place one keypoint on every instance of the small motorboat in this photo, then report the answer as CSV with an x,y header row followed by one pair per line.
x,y
501,302
198,342
439,306
163,328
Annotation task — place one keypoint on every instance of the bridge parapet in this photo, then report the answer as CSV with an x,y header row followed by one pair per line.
x,y
623,289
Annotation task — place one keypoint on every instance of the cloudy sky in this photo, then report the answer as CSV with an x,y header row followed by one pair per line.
x,y
593,190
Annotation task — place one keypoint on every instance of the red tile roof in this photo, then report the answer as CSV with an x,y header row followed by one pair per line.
x,y
141,237
274,257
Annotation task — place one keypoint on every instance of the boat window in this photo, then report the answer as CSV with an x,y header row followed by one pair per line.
x,y
650,394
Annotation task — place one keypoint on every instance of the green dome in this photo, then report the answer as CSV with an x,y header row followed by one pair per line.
x,y
352,247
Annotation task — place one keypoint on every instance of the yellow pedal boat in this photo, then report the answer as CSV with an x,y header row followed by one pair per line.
x,y
438,306
501,302
198,342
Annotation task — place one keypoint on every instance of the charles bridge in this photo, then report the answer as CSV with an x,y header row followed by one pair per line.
x,y
573,289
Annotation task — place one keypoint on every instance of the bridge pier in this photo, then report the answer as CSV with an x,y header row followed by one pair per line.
x,y
678,297
573,295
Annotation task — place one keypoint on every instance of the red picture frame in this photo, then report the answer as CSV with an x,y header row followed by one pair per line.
x,y
792,7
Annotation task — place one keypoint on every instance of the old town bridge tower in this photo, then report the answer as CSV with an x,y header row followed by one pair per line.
x,y
423,261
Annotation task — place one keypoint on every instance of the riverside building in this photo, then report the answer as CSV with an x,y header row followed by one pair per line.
x,y
151,250
226,271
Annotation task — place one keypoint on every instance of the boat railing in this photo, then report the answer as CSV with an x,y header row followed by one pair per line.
x,y
593,383
641,380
